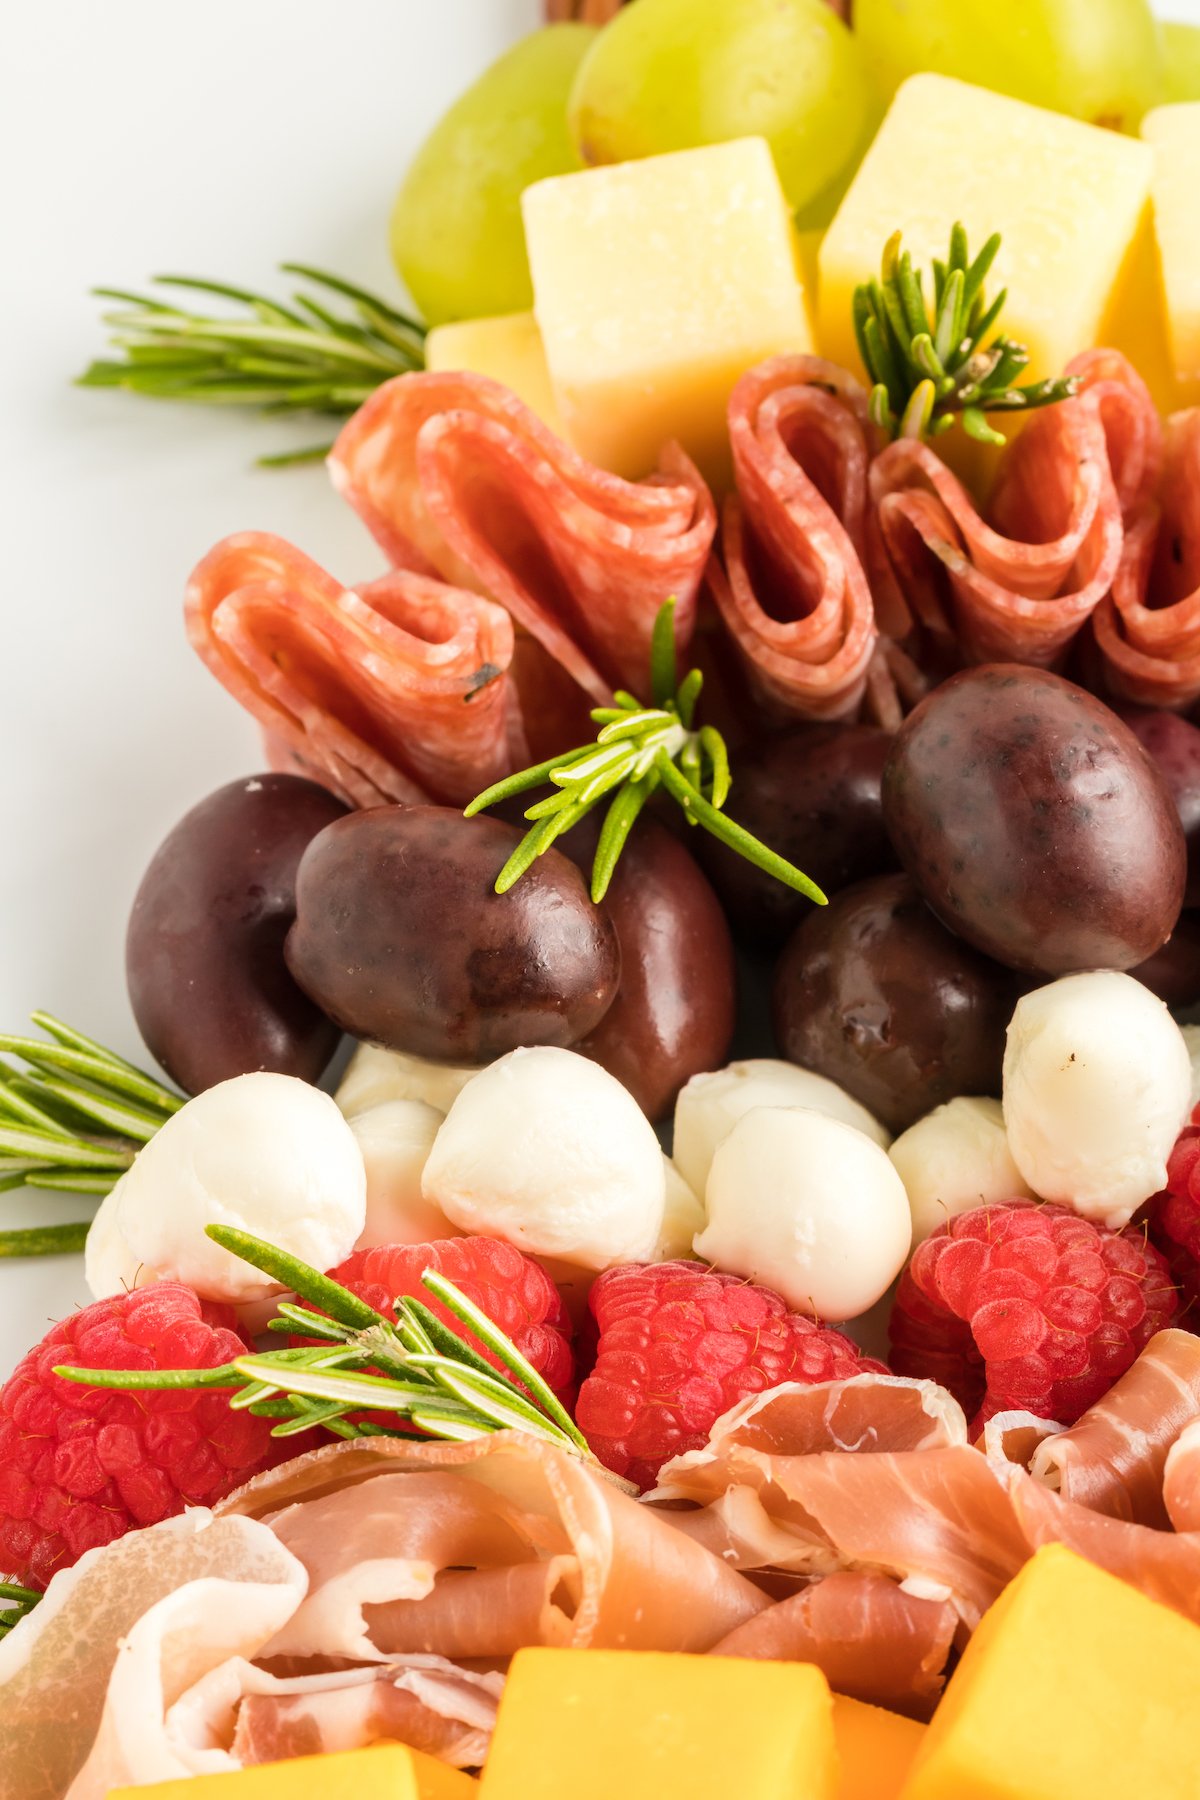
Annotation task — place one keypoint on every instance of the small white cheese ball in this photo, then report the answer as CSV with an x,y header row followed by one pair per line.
x,y
809,1206
109,1265
955,1159
1191,1037
374,1076
683,1217
709,1106
548,1151
265,1153
395,1140
1097,1082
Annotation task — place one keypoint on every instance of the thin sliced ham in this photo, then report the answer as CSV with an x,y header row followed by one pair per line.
x,y
1181,1480
396,690
457,477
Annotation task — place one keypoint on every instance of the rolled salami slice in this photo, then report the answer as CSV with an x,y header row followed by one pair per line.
x,y
455,476
396,690
789,581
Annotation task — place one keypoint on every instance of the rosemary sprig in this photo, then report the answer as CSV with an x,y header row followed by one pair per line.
x,y
16,1602
283,357
928,369
638,750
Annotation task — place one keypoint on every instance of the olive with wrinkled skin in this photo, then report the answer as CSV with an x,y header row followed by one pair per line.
x,y
208,983
1174,744
400,937
814,795
1034,823
873,992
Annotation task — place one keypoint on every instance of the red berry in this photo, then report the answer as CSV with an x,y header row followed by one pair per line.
x,y
1173,1216
515,1293
80,1466
1028,1307
678,1345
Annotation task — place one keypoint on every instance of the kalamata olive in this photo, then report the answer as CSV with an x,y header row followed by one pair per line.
x,y
1034,822
400,937
1173,972
674,1011
812,794
1174,744
875,993
208,984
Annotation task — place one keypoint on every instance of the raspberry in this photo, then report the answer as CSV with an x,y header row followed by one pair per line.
x,y
678,1345
1173,1217
80,1466
1028,1307
514,1292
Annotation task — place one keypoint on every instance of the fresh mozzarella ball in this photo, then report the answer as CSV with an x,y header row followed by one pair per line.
x,y
809,1206
709,1106
374,1076
683,1217
547,1150
395,1140
954,1159
109,1265
265,1153
1097,1082
1191,1037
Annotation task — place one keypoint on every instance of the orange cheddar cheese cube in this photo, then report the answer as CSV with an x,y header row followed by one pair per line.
x,y
638,1725
875,1749
384,1772
1074,1687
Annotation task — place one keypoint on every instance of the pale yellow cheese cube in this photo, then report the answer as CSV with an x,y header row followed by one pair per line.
x,y
508,348
656,284
1173,132
1066,197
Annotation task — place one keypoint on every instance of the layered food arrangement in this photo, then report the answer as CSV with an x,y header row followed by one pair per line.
x,y
663,1254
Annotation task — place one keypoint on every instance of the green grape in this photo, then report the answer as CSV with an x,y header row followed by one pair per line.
x,y
456,232
1181,61
674,74
1100,60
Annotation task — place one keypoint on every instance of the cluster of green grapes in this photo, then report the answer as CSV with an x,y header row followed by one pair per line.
x,y
673,74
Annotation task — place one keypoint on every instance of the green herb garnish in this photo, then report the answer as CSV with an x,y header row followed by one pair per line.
x,y
638,750
15,1603
281,357
929,370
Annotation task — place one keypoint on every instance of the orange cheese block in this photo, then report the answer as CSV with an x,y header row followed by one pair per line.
x,y
637,1725
1074,1687
384,1772
875,1749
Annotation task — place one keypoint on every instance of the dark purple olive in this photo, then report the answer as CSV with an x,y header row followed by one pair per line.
x,y
1174,744
400,937
814,795
208,983
1034,823
875,993
1173,972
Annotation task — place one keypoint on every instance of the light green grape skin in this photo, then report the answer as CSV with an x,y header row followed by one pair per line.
x,y
456,233
1181,60
1099,60
676,74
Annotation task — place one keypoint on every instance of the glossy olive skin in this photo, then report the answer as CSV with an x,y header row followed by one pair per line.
x,y
1173,972
673,1015
875,993
1034,822
208,983
1174,744
400,937
815,795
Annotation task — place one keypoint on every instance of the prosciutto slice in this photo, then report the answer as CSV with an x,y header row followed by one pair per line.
x,y
789,581
458,478
396,690
1181,1480
1148,629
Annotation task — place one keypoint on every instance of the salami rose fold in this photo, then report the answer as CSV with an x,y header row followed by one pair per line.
x,y
455,476
397,690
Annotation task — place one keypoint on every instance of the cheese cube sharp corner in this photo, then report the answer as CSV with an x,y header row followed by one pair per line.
x,y
1173,134
508,348
1067,199
656,284
384,1772
875,1749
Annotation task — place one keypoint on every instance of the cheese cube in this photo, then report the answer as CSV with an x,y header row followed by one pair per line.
x,y
508,348
638,1725
384,1772
656,284
1067,199
1074,1687
1173,132
875,1749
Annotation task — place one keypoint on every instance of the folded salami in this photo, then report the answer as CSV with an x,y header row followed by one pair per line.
x,y
396,690
457,478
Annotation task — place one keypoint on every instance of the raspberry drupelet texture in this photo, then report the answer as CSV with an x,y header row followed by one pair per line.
x,y
678,1345
1028,1307
1173,1217
515,1293
80,1466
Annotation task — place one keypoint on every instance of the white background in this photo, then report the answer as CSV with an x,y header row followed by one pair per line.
x,y
139,138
